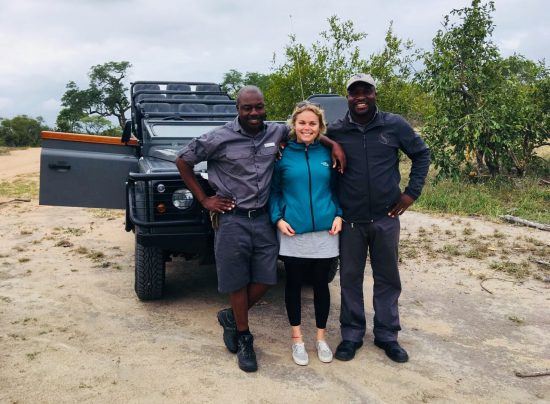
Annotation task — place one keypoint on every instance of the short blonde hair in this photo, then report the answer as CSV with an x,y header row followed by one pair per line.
x,y
307,106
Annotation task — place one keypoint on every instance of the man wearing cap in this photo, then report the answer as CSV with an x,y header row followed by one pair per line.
x,y
372,202
241,156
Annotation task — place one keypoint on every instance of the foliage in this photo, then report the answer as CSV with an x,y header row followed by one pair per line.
x,y
393,69
233,80
523,111
321,68
105,97
489,114
96,125
491,197
21,130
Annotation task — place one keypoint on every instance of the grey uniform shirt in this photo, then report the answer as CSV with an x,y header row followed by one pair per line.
x,y
240,165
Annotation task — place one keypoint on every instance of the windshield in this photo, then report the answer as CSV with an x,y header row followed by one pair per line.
x,y
180,131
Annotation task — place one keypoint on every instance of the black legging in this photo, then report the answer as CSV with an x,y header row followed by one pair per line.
x,y
296,269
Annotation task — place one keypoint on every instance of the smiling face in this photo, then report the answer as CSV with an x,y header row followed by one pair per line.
x,y
307,127
361,101
251,108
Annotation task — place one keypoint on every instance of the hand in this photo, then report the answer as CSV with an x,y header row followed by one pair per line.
x,y
218,204
401,206
280,151
336,226
285,228
338,158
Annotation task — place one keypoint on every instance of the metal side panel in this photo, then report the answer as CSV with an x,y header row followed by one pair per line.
x,y
85,174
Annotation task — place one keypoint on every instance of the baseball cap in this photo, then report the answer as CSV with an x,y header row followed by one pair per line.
x,y
360,77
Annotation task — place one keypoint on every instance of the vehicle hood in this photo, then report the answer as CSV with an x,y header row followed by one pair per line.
x,y
162,159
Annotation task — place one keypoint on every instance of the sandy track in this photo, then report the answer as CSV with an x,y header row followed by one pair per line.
x,y
71,328
19,162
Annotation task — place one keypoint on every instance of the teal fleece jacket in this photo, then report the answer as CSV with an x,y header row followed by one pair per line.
x,y
302,188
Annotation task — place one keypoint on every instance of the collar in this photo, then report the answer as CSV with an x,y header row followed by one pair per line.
x,y
235,125
293,144
373,120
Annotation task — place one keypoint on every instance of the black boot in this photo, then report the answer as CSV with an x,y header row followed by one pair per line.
x,y
227,321
245,353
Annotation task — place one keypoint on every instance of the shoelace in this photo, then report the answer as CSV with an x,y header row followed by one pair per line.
x,y
298,349
247,351
323,347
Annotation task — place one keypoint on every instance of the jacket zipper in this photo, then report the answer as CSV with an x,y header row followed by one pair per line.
x,y
368,173
310,193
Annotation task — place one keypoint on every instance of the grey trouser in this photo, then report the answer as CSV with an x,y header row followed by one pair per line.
x,y
381,240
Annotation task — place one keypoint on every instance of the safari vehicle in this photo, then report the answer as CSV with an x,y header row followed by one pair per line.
x,y
138,172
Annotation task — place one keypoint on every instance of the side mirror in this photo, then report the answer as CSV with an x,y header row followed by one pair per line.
x,y
126,132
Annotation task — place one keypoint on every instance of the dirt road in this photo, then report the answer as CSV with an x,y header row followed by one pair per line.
x,y
72,329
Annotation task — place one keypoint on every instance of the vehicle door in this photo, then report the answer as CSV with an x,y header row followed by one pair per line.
x,y
85,170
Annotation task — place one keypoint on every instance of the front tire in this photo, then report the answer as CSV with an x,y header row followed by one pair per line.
x,y
150,271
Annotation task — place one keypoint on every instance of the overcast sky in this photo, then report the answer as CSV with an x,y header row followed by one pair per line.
x,y
46,43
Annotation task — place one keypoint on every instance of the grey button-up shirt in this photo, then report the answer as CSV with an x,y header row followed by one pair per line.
x,y
240,165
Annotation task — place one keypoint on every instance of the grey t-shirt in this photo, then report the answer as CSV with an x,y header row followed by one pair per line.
x,y
240,165
316,244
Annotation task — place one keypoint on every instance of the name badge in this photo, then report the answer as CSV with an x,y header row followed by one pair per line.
x,y
272,144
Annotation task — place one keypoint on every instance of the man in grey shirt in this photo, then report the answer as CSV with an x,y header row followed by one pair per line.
x,y
240,156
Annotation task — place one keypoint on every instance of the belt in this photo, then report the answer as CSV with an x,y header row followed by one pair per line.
x,y
249,213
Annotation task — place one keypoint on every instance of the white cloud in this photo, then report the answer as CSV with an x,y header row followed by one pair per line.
x,y
5,103
45,44
51,104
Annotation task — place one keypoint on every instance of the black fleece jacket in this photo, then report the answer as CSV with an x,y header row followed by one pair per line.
x,y
370,185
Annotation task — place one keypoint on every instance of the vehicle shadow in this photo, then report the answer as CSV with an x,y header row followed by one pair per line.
x,y
189,281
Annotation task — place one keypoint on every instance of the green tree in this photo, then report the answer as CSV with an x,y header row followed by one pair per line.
x,y
490,113
105,97
396,89
21,130
523,111
321,68
96,125
233,80
463,76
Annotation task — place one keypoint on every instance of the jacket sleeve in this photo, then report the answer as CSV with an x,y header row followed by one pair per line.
x,y
276,195
419,153
334,191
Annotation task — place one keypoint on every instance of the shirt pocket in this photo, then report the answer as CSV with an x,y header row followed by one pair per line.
x,y
267,153
238,161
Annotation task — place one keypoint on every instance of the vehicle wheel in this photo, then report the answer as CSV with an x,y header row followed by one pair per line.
x,y
334,266
149,270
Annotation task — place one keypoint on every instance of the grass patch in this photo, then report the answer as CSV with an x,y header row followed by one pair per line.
x,y
450,250
73,231
516,319
19,188
518,270
479,250
95,255
109,214
523,197
32,355
82,250
64,243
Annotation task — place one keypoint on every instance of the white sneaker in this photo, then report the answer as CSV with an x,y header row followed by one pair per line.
x,y
323,352
299,354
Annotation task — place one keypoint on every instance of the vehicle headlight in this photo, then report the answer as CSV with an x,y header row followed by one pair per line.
x,y
182,198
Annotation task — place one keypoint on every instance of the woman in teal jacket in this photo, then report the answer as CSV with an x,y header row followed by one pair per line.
x,y
304,208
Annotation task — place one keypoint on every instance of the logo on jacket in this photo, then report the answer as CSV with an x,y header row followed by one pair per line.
x,y
383,138
326,164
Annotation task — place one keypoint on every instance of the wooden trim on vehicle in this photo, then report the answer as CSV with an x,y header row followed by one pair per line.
x,y
80,137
